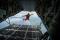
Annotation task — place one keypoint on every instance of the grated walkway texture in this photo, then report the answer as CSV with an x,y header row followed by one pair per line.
x,y
20,33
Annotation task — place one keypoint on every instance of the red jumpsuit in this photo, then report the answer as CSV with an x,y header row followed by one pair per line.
x,y
27,16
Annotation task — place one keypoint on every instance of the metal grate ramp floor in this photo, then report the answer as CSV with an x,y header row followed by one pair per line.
x,y
20,33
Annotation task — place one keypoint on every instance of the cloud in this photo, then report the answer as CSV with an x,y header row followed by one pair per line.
x,y
18,19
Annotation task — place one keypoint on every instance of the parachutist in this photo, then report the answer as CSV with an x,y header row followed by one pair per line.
x,y
27,16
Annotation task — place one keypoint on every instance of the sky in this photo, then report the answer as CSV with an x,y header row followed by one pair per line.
x,y
18,19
